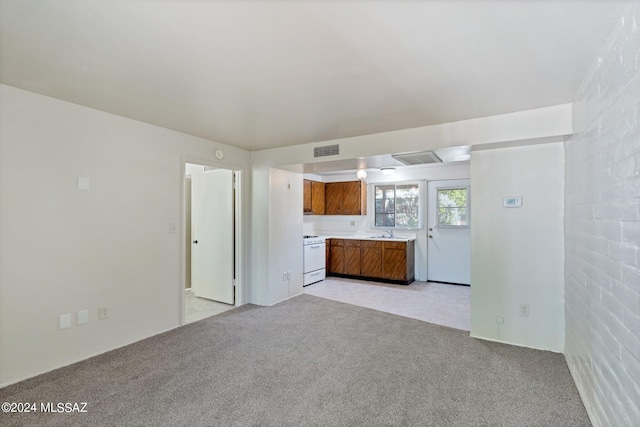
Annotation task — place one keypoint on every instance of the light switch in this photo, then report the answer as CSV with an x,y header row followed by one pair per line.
x,y
65,321
83,183
83,317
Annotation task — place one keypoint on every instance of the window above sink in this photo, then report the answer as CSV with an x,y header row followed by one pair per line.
x,y
397,205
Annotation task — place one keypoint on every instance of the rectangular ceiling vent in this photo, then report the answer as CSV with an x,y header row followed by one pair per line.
x,y
422,158
327,150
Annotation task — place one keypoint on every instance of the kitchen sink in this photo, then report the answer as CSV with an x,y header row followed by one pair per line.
x,y
388,237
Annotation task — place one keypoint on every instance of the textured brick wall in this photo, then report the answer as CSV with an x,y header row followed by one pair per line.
x,y
602,231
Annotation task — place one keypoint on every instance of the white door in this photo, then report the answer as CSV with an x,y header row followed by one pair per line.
x,y
448,232
212,234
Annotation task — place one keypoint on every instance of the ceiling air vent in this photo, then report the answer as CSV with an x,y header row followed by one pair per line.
x,y
422,158
327,150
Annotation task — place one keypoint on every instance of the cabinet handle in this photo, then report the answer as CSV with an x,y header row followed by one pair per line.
x,y
315,246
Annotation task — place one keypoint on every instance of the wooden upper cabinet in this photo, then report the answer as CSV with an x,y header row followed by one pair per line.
x,y
346,198
317,197
313,197
306,195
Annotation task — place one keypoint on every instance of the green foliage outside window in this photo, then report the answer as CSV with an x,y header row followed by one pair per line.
x,y
397,205
452,207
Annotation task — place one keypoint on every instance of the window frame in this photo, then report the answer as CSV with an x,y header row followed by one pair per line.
x,y
421,203
467,206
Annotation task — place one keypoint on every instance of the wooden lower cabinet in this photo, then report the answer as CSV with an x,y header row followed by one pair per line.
x,y
336,257
395,260
371,256
327,258
352,257
370,259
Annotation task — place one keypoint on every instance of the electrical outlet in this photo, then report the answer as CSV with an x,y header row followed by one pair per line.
x,y
524,310
173,228
353,223
499,319
103,313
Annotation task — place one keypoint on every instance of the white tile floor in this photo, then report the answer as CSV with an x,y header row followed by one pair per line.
x,y
200,308
447,305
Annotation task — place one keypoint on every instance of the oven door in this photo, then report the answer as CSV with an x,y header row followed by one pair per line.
x,y
314,257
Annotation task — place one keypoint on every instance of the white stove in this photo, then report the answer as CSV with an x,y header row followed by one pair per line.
x,y
314,259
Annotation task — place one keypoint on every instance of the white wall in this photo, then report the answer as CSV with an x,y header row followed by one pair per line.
x,y
285,234
518,253
363,224
276,228
526,125
64,250
603,231
260,257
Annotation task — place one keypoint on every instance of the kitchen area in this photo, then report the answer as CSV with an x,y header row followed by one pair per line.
x,y
365,243
383,257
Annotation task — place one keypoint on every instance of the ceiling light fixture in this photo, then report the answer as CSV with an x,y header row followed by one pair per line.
x,y
361,174
388,171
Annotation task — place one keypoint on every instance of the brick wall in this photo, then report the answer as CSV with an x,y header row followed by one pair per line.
x,y
602,231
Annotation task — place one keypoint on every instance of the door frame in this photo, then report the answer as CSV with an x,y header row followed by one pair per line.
x,y
426,217
238,234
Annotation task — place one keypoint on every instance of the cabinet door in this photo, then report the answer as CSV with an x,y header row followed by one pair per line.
x,y
394,260
346,198
371,258
351,198
327,258
317,197
306,195
337,256
333,198
352,257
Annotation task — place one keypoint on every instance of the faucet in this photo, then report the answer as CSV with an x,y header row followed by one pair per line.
x,y
390,233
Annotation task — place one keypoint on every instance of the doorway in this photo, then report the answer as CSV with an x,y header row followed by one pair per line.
x,y
211,233
449,232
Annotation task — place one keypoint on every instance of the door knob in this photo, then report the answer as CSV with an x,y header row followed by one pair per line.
x,y
430,236
195,242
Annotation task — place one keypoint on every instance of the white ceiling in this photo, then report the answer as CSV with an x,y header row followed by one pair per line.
x,y
261,74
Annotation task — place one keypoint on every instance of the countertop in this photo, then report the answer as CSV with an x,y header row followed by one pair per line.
x,y
374,239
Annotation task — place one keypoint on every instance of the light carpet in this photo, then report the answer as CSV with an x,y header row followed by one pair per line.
x,y
309,361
